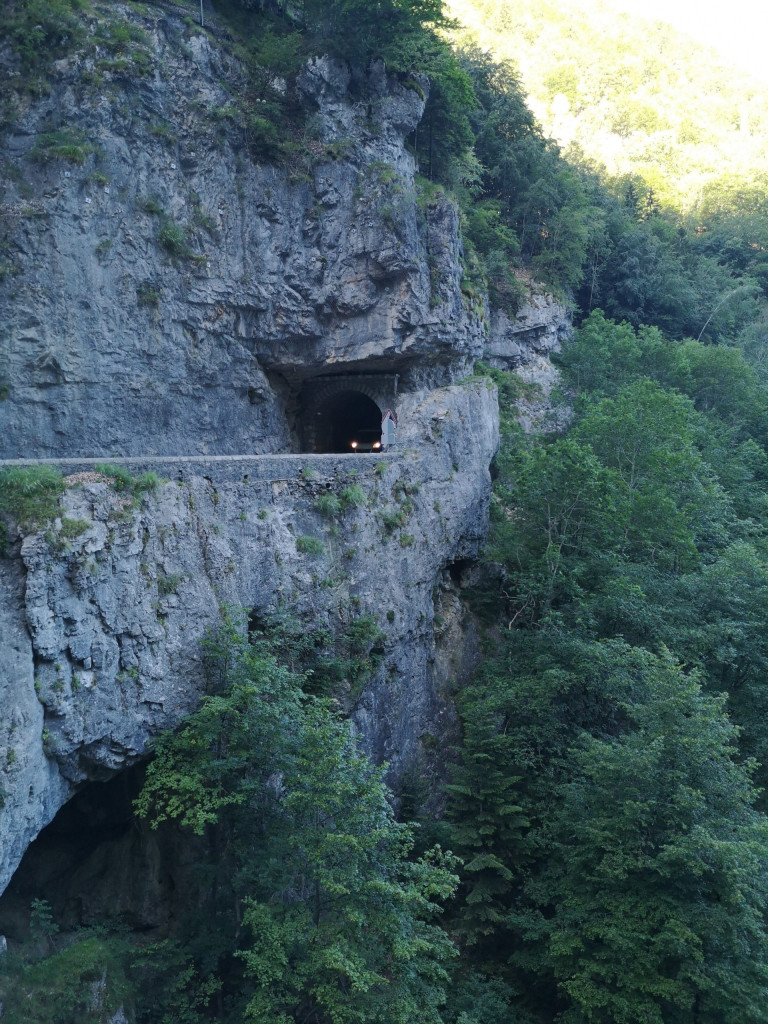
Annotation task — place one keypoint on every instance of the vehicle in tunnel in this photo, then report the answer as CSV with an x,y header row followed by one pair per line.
x,y
347,421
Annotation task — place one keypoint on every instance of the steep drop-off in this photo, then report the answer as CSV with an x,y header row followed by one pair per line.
x,y
289,289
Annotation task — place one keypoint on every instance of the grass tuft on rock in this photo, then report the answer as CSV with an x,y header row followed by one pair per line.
x,y
30,495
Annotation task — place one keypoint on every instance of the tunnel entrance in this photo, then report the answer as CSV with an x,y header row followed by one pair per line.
x,y
344,412
346,421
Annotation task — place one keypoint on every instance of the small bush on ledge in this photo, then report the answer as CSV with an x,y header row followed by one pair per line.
x,y
328,505
309,545
30,495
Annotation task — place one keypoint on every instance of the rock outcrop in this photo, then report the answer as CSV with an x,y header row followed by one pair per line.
x,y
539,327
172,296
100,645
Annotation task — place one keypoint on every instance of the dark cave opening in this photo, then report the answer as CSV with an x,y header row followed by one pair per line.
x,y
344,421
458,569
96,862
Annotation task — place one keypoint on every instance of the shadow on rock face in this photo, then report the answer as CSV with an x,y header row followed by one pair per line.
x,y
97,862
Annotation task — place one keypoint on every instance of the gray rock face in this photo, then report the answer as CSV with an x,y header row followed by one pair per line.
x,y
540,326
100,639
170,295
112,344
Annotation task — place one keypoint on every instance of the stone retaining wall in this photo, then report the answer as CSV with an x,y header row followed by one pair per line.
x,y
221,468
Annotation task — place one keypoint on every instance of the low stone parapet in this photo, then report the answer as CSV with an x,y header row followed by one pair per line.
x,y
221,468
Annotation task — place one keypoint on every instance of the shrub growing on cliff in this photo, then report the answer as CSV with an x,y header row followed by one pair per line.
x,y
328,505
309,545
30,495
352,496
64,144
82,982
335,916
42,30
127,483
172,239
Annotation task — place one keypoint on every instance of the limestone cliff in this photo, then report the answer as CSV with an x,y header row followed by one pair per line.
x,y
171,295
101,641
215,354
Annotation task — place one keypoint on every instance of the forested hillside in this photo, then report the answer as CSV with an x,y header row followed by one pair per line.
x,y
669,148
607,809
603,855
628,92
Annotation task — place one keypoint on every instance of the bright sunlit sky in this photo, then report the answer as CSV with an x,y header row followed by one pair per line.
x,y
738,29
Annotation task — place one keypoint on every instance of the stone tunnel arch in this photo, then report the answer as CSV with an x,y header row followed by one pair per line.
x,y
341,415
347,421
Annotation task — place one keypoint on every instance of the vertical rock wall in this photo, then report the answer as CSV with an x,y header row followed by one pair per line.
x,y
100,646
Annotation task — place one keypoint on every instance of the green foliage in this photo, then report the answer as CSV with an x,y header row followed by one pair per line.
x,y
116,36
476,999
720,381
103,247
531,202
168,584
359,31
125,482
650,98
82,983
30,496
669,501
605,806
336,665
496,246
41,31
169,988
444,138
271,50
71,529
272,54
660,901
352,496
598,794
161,130
173,240
63,144
328,505
309,545
336,922
357,946
42,926
150,204
394,519
147,295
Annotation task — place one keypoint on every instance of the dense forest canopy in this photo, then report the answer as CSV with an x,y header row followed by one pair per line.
x,y
607,808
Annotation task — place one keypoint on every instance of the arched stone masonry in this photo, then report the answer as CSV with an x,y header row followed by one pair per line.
x,y
345,408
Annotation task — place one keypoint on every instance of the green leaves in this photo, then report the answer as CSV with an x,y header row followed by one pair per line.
x,y
336,920
671,502
657,898
360,30
350,934
604,804
31,495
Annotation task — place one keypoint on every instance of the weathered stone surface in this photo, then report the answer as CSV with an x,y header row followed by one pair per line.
x,y
113,345
100,639
539,327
